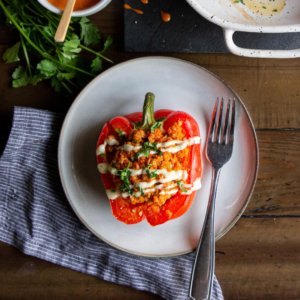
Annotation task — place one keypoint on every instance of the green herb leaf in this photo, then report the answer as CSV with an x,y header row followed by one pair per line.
x,y
21,78
121,133
49,30
89,32
142,191
151,175
47,67
147,147
113,191
37,78
96,66
70,48
179,183
11,54
156,149
67,76
102,155
125,177
107,43
56,84
155,125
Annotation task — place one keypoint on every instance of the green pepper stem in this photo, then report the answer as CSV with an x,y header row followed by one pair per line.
x,y
148,113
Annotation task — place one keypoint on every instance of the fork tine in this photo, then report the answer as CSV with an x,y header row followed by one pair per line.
x,y
218,135
231,137
213,123
226,127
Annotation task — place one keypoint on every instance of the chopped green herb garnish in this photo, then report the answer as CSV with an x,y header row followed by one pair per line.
x,y
179,183
102,155
113,191
147,152
135,142
156,149
125,175
154,174
113,168
142,191
121,133
155,125
147,147
275,10
264,7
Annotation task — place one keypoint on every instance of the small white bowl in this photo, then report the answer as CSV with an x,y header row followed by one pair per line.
x,y
80,13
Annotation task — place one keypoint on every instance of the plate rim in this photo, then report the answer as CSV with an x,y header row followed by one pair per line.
x,y
60,152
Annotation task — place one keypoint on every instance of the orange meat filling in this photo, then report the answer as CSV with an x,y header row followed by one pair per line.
x,y
120,160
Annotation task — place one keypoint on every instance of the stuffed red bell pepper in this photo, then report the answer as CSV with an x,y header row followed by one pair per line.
x,y
150,164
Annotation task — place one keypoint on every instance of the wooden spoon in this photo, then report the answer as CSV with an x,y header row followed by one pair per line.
x,y
64,22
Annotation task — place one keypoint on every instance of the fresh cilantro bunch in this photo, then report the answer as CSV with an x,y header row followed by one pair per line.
x,y
60,62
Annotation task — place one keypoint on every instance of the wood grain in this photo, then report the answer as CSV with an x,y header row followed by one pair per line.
x,y
277,191
257,259
261,260
26,277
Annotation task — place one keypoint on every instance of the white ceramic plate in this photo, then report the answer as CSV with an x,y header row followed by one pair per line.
x,y
178,85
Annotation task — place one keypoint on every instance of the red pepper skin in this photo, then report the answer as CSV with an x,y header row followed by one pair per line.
x,y
178,204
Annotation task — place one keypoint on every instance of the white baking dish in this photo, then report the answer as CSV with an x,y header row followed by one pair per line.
x,y
233,17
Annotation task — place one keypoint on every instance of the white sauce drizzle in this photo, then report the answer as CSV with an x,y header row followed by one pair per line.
x,y
127,147
169,190
196,186
108,141
181,145
103,168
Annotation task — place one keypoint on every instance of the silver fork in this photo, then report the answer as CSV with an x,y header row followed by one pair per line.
x,y
218,152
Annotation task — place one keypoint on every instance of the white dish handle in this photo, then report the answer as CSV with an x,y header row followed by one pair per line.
x,y
233,48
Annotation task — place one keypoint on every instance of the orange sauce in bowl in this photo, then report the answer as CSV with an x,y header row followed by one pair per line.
x,y
79,4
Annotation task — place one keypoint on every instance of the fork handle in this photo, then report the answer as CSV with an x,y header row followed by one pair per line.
x,y
204,263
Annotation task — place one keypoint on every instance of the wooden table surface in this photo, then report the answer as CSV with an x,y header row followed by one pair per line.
x,y
259,258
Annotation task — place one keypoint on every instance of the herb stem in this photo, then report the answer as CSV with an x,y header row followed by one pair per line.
x,y
34,11
97,53
26,54
69,66
71,82
20,29
66,87
39,9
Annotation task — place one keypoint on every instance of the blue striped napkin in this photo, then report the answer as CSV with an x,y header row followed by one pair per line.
x,y
36,217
